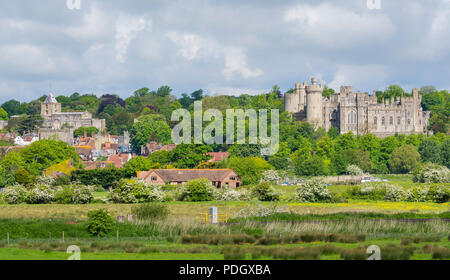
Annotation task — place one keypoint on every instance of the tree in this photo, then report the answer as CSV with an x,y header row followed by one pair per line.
x,y
45,153
137,164
197,95
327,92
3,114
30,123
89,131
149,128
429,151
14,107
313,166
250,169
163,91
324,147
190,155
245,150
445,153
404,159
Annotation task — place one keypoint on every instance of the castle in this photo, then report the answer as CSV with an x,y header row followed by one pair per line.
x,y
357,112
61,125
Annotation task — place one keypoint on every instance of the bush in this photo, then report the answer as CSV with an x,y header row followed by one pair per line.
x,y
395,193
265,192
431,173
198,190
439,194
15,194
74,194
99,222
152,211
226,194
40,195
271,176
136,191
354,170
313,190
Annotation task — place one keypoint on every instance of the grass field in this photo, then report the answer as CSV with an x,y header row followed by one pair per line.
x,y
404,230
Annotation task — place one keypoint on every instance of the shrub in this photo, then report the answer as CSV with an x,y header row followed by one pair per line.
x,y
395,252
431,173
198,190
354,170
151,211
44,180
439,194
40,195
313,190
271,176
226,194
417,194
15,194
265,192
354,254
395,193
440,253
99,222
74,194
136,191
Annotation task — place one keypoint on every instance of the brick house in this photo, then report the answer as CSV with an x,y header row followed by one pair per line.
x,y
218,177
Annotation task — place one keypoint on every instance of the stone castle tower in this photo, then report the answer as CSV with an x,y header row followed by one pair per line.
x,y
357,112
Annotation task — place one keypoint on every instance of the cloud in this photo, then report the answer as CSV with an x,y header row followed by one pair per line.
x,y
193,46
331,26
127,28
358,75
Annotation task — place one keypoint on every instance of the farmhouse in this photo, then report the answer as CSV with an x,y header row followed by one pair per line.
x,y
218,177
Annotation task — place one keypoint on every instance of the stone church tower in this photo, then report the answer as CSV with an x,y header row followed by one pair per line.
x,y
50,106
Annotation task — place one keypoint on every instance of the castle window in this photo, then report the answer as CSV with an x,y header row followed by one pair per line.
x,y
409,121
383,121
398,120
375,121
391,120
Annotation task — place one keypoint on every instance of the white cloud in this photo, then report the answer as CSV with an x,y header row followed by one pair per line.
x,y
193,46
358,75
127,28
332,26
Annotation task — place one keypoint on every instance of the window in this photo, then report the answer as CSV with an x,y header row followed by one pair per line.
x,y
409,121
375,121
383,121
391,120
232,178
398,120
352,117
154,178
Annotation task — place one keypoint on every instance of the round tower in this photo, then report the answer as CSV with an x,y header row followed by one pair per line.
x,y
291,102
314,103
301,90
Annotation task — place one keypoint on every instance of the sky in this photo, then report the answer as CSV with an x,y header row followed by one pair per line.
x,y
224,47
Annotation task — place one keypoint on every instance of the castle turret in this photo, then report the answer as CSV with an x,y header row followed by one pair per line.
x,y
301,90
314,103
50,106
291,102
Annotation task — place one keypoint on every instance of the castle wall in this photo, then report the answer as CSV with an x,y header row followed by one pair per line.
x,y
360,113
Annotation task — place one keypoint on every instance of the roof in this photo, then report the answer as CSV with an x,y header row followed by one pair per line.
x,y
50,99
218,156
184,175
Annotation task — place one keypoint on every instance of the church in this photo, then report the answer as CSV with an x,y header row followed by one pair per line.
x,y
61,125
357,112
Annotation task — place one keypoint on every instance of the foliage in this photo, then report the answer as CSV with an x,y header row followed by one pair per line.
x,y
313,190
271,176
354,170
150,211
190,155
198,190
74,194
404,159
429,151
107,178
64,167
136,191
100,222
15,194
249,169
431,173
265,192
88,130
149,128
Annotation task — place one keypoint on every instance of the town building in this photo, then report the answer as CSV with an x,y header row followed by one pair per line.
x,y
218,177
357,112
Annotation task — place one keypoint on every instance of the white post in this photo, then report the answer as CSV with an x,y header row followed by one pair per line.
x,y
117,235
213,214
63,237
7,237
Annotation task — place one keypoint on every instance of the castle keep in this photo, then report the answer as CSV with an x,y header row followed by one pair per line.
x,y
357,112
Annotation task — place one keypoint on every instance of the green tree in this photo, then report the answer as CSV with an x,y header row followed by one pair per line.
x,y
250,169
100,222
404,159
3,114
445,153
89,131
327,92
190,155
313,166
430,151
30,123
149,128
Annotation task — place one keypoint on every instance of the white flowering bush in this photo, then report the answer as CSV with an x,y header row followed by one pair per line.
x,y
271,176
44,180
227,194
354,170
439,194
417,194
313,190
432,173
15,194
395,193
40,195
136,191
74,194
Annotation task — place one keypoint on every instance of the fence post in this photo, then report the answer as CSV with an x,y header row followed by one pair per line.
x,y
7,237
63,237
117,235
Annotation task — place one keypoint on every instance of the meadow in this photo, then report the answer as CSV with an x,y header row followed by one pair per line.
x,y
292,230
